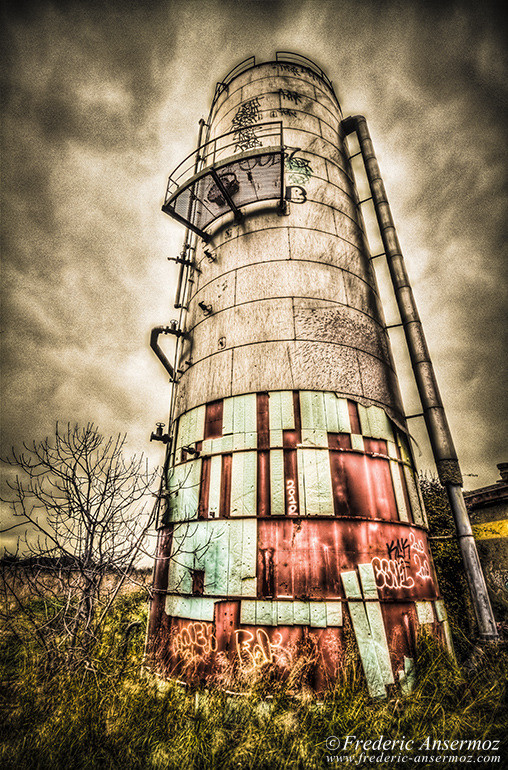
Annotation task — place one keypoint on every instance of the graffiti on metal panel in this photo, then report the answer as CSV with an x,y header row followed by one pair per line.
x,y
291,96
419,557
256,651
299,170
291,497
293,69
197,640
391,573
295,194
284,111
412,552
231,186
260,160
247,115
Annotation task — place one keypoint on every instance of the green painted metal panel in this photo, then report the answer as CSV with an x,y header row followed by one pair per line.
x,y
318,614
227,416
413,496
249,557
215,487
351,585
235,557
400,499
287,410
301,613
306,410
275,410
250,413
248,612
276,438
332,422
324,490
357,442
424,612
285,614
392,449
343,415
368,581
441,613
318,411
363,414
239,414
378,633
308,469
315,438
301,481
221,542
333,613
244,484
277,499
266,613
367,649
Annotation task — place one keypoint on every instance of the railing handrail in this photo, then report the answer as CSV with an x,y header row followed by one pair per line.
x,y
201,151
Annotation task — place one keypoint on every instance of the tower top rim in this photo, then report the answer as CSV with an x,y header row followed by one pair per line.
x,y
281,57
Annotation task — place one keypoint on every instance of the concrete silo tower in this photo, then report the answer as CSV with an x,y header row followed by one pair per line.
x,y
291,518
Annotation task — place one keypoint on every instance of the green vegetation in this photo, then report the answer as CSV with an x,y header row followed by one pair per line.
x,y
107,716
103,714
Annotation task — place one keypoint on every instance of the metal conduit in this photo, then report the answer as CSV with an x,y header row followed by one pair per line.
x,y
433,411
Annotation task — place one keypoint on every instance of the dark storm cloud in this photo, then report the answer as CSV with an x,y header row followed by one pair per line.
x,y
102,101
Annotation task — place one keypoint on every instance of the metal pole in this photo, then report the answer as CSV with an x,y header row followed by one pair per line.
x,y
433,411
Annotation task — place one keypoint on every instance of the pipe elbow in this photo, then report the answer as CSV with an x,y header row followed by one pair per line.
x,y
351,123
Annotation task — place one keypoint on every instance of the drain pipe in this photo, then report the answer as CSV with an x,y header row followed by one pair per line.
x,y
435,419
154,344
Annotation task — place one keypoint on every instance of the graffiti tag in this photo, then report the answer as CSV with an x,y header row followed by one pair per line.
x,y
391,573
247,115
194,641
291,496
292,96
295,194
256,651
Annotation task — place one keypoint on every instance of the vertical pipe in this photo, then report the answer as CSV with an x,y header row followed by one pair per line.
x,y
435,419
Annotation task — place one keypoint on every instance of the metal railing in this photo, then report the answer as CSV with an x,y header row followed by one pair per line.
x,y
251,137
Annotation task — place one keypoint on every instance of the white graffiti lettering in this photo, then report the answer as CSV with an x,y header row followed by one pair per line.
x,y
391,573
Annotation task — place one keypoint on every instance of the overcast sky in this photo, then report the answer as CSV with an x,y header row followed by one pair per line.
x,y
102,101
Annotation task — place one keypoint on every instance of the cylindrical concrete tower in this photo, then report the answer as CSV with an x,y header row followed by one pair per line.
x,y
293,523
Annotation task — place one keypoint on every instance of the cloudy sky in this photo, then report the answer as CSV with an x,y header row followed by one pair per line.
x,y
102,101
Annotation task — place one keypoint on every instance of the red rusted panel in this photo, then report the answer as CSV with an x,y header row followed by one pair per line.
x,y
304,558
362,486
204,488
354,417
291,482
213,419
263,420
225,492
263,487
